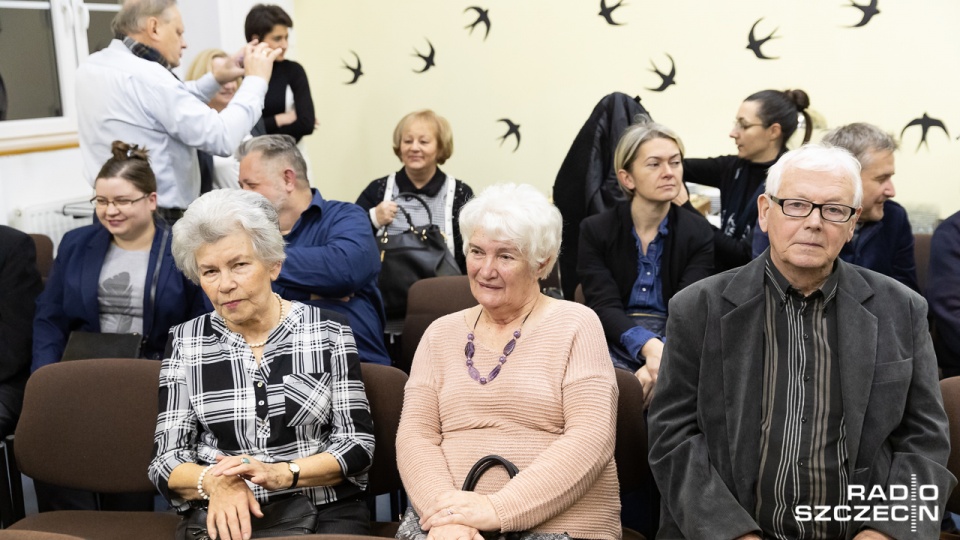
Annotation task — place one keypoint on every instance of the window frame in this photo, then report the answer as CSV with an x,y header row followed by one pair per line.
x,y
70,20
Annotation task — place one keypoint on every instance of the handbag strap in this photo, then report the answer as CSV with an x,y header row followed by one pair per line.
x,y
156,268
388,189
451,188
483,465
383,230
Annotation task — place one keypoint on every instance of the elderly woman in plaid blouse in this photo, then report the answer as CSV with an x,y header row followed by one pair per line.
x,y
261,398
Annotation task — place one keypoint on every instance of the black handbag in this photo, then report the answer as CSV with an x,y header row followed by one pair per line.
x,y
410,523
88,345
291,516
409,256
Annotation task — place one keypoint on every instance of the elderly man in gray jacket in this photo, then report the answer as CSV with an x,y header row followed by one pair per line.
x,y
798,395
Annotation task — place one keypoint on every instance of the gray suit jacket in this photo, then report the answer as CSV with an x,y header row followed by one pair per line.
x,y
704,421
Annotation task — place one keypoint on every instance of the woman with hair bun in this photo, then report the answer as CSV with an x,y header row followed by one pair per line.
x,y
116,276
765,122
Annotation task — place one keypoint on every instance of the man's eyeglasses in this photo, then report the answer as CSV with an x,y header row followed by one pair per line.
x,y
741,126
799,208
103,202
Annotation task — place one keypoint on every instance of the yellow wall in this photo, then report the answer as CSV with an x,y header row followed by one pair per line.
x,y
546,63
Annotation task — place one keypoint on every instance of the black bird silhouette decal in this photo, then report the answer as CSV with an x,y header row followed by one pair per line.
x,y
428,59
925,122
357,72
513,129
868,10
666,80
483,16
754,44
607,12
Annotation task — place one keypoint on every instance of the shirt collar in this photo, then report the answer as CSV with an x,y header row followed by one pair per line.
x,y
430,189
783,288
147,53
316,205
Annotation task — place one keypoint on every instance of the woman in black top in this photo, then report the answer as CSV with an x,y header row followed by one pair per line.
x,y
271,25
765,122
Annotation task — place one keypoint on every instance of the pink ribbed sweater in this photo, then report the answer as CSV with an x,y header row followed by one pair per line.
x,y
551,411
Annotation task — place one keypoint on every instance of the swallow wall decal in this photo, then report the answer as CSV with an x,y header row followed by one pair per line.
x,y
607,12
357,72
512,129
868,10
925,123
483,17
665,79
427,59
754,44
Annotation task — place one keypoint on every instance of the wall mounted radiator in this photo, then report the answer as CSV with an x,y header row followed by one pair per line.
x,y
53,219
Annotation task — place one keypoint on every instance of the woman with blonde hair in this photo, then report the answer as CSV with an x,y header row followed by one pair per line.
x,y
423,140
635,256
218,172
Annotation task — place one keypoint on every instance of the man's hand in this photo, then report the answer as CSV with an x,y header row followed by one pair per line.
x,y
230,70
258,60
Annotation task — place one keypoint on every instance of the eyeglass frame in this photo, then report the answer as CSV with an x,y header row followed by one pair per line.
x,y
740,127
117,203
813,206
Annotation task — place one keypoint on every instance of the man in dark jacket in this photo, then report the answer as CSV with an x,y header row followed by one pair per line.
x,y
19,286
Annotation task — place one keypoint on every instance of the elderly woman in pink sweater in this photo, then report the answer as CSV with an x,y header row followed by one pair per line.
x,y
522,376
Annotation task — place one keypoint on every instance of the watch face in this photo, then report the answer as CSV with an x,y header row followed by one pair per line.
x,y
294,467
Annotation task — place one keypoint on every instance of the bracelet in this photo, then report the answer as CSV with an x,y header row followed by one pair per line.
x,y
203,494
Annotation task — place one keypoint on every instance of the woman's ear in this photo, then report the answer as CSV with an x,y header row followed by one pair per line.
x,y
776,131
626,180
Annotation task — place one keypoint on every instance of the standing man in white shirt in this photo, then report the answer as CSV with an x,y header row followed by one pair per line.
x,y
128,92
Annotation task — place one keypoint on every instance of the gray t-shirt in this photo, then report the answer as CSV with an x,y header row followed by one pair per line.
x,y
120,294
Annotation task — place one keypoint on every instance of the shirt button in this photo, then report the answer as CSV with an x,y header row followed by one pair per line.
x,y
804,419
644,289
260,402
259,385
806,378
648,273
800,463
805,336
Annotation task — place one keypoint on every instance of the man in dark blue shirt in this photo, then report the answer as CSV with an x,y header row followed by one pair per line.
x,y
332,259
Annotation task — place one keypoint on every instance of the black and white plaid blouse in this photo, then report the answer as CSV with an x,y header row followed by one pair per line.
x,y
305,398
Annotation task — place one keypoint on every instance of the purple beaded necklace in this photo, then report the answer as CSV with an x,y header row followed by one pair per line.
x,y
470,349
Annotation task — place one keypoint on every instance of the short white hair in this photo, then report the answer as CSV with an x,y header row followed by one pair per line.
x,y
817,158
519,214
220,213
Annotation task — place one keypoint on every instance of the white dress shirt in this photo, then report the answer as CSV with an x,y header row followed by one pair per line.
x,y
121,96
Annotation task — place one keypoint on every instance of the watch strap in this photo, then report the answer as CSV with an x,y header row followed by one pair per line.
x,y
295,470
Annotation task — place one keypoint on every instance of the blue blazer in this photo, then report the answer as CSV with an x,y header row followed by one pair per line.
x,y
69,300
